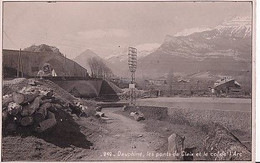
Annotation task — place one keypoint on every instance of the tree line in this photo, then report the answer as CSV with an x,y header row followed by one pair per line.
x,y
99,69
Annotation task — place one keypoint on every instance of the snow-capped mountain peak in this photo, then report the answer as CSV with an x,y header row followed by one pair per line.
x,y
189,31
236,27
237,22
147,48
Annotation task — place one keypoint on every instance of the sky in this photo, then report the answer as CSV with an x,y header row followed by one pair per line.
x,y
107,28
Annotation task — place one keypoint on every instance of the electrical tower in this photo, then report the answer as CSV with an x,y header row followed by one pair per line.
x,y
132,63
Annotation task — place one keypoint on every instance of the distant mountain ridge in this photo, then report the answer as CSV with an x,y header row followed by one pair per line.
x,y
236,27
226,48
83,58
97,66
223,50
232,38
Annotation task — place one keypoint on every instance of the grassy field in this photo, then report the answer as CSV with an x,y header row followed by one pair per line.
x,y
194,124
205,103
235,114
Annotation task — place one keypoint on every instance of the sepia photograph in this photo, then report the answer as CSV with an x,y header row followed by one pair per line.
x,y
128,81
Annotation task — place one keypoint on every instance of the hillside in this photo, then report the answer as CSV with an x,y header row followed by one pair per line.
x,y
43,48
34,57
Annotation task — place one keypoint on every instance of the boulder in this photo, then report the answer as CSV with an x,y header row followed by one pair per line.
x,y
132,114
99,114
176,145
139,116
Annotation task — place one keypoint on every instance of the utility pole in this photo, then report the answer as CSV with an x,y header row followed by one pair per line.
x,y
17,70
64,64
18,64
21,63
74,72
132,63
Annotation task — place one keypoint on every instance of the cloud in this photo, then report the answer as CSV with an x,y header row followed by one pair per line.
x,y
102,33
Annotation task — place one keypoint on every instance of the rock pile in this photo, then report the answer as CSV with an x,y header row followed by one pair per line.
x,y
34,107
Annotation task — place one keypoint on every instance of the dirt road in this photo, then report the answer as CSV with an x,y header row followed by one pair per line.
x,y
125,139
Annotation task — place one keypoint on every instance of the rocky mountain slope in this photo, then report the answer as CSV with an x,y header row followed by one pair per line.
x,y
225,48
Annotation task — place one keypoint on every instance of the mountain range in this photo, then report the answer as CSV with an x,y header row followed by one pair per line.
x,y
225,49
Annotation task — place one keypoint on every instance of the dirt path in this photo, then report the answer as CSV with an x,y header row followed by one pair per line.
x,y
118,138
126,139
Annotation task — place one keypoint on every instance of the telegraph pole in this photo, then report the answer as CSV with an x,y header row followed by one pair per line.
x,y
18,64
132,63
21,63
17,70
